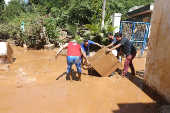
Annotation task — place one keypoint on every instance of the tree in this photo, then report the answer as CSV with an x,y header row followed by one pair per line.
x,y
103,14
2,3
12,10
122,6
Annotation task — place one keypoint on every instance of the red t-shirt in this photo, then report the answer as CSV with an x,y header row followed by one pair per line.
x,y
73,49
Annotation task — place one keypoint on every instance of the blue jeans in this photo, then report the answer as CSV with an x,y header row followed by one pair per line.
x,y
73,60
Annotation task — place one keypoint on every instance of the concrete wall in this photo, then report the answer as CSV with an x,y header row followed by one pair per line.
x,y
157,72
116,18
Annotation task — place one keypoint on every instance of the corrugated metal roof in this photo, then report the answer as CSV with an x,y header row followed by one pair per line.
x,y
139,10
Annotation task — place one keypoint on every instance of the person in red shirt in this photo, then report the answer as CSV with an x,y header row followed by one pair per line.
x,y
74,53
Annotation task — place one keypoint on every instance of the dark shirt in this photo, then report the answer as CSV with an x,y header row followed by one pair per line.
x,y
127,47
115,42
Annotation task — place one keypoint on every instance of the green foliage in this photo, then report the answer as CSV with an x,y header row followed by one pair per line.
x,y
41,10
97,34
79,39
31,37
80,15
84,11
32,34
108,26
52,30
2,3
55,15
7,29
122,6
72,11
61,16
94,28
72,29
12,10
96,7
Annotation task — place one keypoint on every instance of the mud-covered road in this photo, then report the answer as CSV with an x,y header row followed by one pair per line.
x,y
30,86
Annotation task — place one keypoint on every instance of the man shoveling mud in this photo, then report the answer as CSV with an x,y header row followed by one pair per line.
x,y
128,49
74,53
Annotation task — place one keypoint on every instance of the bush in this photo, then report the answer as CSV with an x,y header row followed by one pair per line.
x,y
7,31
98,35
60,16
12,10
31,36
80,15
52,30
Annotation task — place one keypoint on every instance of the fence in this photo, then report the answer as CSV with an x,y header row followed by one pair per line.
x,y
136,32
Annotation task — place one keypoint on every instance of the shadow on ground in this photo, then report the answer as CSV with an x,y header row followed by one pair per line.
x,y
138,80
93,72
74,75
136,108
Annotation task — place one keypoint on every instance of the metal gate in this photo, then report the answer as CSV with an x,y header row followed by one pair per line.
x,y
136,32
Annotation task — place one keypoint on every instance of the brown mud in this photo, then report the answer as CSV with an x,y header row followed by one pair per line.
x,y
36,83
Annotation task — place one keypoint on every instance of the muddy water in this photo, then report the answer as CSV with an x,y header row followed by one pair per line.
x,y
30,86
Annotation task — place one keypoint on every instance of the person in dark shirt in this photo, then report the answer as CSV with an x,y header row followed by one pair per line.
x,y
114,42
112,39
128,49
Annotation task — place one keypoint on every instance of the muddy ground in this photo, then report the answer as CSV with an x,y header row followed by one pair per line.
x,y
36,83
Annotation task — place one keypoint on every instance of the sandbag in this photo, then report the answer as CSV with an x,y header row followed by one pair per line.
x,y
114,52
6,53
3,49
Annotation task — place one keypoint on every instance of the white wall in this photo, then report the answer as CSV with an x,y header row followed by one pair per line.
x,y
116,18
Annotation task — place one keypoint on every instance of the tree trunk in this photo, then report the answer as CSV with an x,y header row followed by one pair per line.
x,y
103,14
